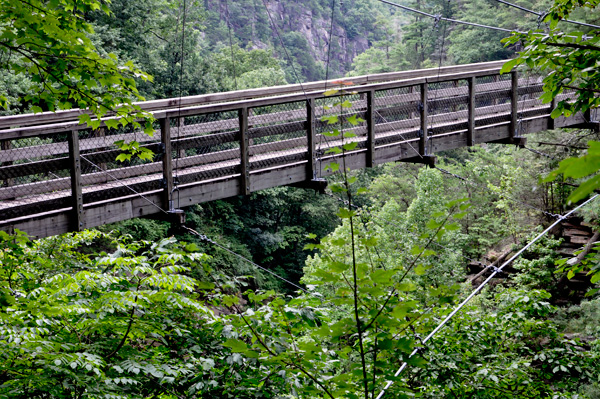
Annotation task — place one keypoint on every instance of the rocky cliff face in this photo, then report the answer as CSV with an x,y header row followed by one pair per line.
x,y
296,21
316,30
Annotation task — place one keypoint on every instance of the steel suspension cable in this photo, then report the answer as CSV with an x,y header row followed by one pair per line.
x,y
481,286
205,238
540,14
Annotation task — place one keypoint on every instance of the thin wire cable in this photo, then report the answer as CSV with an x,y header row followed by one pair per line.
x,y
540,14
319,150
431,124
456,21
284,48
121,183
171,200
473,184
539,152
205,238
437,17
373,216
519,7
231,44
329,44
480,287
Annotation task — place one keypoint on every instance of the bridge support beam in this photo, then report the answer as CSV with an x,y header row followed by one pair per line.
x,y
315,184
521,142
78,216
428,160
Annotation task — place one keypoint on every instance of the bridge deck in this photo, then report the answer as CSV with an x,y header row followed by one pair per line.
x,y
60,176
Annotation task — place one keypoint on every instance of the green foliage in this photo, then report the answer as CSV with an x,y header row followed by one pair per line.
x,y
127,323
269,227
48,43
537,266
506,347
570,58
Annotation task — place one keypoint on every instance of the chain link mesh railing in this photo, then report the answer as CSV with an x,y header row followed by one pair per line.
x,y
447,107
104,177
397,115
205,146
35,172
492,99
277,134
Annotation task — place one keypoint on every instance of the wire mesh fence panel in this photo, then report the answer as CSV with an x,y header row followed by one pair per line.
x,y
530,89
338,123
447,106
109,171
34,175
397,114
277,134
492,99
205,146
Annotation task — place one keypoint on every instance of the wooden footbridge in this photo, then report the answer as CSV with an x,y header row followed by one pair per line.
x,y
59,176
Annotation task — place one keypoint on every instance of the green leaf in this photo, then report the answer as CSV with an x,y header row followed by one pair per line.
x,y
344,213
406,287
330,119
236,345
381,276
330,92
350,146
420,270
509,65
111,123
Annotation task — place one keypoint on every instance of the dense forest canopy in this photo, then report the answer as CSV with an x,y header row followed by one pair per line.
x,y
356,277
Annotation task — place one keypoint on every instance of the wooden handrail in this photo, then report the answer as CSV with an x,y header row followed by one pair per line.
x,y
174,103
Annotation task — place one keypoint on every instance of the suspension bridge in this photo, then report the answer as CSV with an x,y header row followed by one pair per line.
x,y
57,175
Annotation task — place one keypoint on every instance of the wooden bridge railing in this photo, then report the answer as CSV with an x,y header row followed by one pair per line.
x,y
59,176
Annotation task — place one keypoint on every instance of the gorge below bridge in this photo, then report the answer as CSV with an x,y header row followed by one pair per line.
x,y
57,175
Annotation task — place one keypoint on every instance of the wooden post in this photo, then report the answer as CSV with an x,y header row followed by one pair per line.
x,y
471,113
244,151
514,104
551,124
370,128
167,163
6,145
311,138
423,111
78,221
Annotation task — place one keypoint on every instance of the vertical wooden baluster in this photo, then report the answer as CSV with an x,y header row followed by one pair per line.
x,y
370,128
471,113
244,151
167,163
78,217
311,138
551,124
514,104
424,117
6,145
